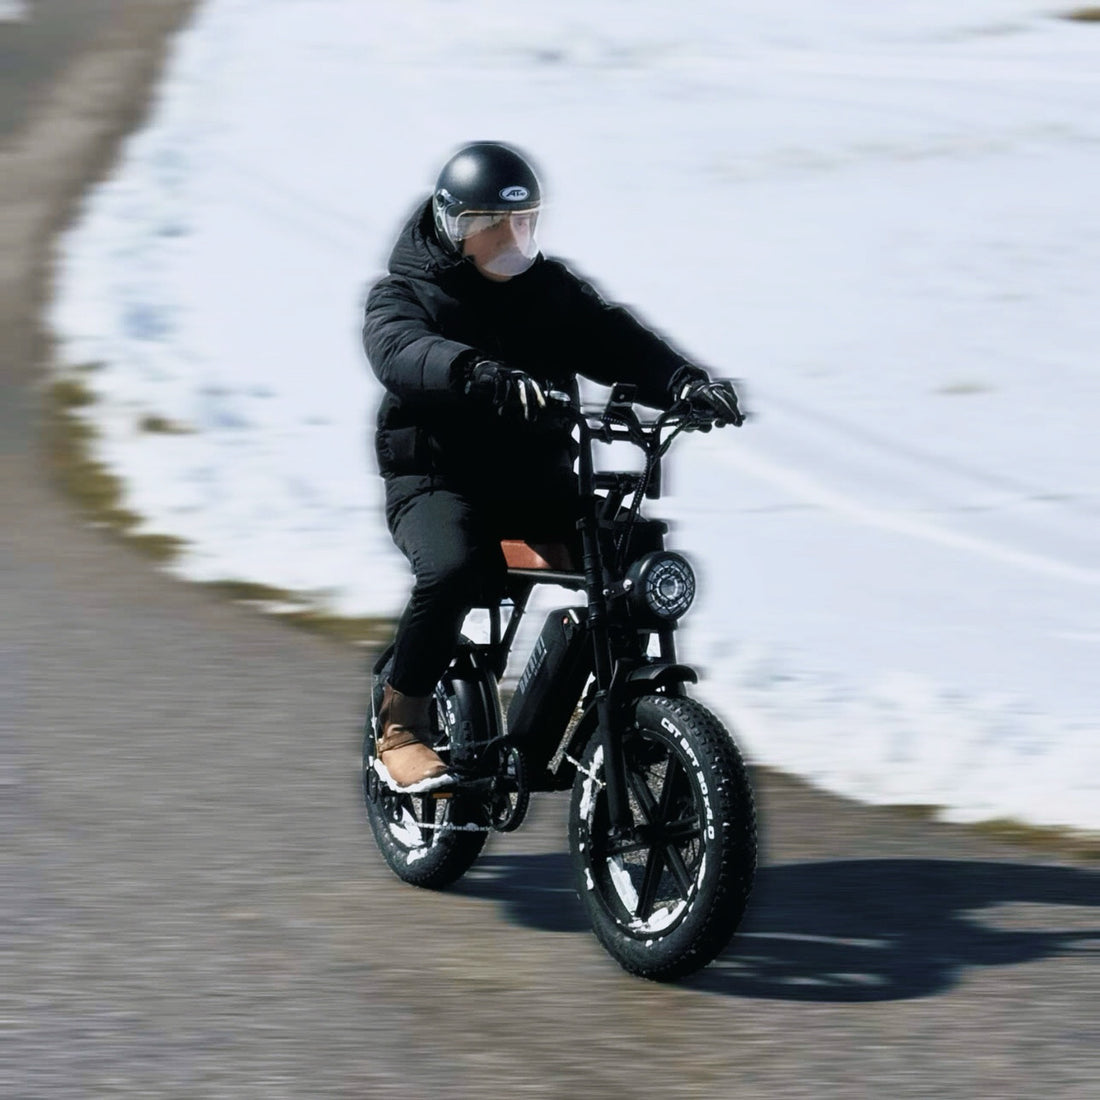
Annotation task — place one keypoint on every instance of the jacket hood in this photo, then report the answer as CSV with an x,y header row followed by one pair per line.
x,y
418,252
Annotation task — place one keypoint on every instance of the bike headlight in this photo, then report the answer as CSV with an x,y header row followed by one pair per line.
x,y
662,585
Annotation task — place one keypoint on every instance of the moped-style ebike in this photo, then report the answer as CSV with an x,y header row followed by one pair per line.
x,y
662,826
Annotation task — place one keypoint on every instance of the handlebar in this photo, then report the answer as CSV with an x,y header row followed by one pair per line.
x,y
618,420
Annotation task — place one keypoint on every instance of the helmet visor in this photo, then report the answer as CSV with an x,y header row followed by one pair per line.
x,y
468,222
501,242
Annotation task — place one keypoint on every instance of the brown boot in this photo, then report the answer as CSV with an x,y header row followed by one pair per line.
x,y
403,744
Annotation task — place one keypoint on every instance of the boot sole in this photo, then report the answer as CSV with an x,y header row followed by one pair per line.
x,y
425,786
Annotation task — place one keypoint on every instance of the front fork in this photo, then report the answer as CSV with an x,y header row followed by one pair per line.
x,y
611,718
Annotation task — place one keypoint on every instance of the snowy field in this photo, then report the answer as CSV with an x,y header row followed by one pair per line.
x,y
884,218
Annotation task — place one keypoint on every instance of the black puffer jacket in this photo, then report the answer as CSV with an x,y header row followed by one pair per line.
x,y
433,313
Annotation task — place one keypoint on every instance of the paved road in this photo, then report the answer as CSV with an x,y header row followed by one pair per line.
x,y
191,906
35,51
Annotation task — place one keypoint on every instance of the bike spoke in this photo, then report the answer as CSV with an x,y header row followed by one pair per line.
x,y
680,831
656,810
678,868
427,817
644,795
623,847
684,830
647,896
673,771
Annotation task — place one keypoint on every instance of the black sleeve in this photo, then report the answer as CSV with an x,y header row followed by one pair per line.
x,y
614,346
412,360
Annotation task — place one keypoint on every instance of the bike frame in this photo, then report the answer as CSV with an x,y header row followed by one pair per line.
x,y
621,667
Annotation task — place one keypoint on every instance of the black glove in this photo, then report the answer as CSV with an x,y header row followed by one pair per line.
x,y
719,399
511,392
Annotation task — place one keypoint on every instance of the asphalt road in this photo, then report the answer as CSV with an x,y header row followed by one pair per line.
x,y
191,903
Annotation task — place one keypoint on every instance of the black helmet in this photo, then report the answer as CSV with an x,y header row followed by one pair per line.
x,y
482,179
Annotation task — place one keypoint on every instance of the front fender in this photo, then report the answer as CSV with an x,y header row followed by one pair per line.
x,y
660,674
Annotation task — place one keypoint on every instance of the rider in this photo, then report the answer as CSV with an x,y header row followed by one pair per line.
x,y
467,332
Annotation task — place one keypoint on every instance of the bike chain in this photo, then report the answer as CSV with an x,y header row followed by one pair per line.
x,y
447,827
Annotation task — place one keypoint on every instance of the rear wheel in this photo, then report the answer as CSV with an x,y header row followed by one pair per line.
x,y
666,895
426,841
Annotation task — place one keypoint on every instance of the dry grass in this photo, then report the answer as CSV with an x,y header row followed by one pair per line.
x,y
161,425
86,481
964,388
70,444
1043,838
372,632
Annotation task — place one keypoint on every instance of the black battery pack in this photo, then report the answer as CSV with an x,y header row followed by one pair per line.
x,y
550,688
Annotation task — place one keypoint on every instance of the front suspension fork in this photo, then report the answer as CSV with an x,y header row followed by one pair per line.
x,y
609,695
610,716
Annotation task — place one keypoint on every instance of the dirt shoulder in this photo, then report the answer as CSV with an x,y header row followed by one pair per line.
x,y
71,132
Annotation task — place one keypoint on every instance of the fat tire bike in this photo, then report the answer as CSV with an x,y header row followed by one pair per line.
x,y
662,823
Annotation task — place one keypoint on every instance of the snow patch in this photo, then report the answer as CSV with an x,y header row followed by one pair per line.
x,y
892,235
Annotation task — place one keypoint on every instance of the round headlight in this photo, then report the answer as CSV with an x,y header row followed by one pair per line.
x,y
662,585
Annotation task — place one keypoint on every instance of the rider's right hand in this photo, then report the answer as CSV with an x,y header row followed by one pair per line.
x,y
511,392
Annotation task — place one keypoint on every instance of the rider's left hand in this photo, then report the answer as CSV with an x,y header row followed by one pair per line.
x,y
719,399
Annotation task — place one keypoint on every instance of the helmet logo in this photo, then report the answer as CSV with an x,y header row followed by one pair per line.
x,y
514,194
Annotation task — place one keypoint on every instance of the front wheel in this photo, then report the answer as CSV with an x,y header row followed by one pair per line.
x,y
666,895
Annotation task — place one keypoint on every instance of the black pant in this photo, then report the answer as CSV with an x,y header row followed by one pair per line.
x,y
451,537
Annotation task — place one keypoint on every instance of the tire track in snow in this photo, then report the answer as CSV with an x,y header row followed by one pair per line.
x,y
895,449
808,490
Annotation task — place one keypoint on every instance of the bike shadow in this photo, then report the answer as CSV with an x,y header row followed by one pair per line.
x,y
850,930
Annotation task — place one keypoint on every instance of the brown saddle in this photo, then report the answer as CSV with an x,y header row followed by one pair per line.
x,y
555,556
